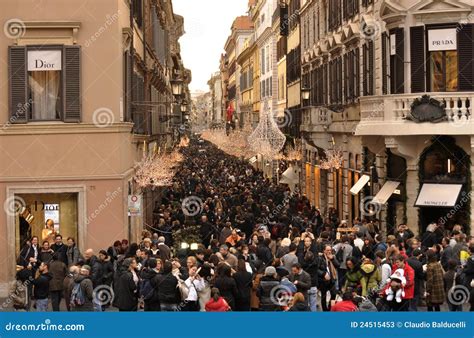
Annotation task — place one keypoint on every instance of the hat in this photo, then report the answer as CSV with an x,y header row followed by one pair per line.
x,y
270,271
399,275
86,267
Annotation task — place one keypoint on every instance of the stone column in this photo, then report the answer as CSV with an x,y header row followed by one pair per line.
x,y
412,187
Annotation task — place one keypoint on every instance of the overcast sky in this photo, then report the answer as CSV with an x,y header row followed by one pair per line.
x,y
207,25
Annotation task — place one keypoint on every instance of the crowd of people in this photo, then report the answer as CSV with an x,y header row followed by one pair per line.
x,y
262,247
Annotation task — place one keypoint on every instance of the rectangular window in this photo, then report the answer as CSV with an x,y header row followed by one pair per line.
x,y
44,82
444,71
262,68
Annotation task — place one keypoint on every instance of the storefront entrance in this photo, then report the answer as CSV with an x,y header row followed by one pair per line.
x,y
444,164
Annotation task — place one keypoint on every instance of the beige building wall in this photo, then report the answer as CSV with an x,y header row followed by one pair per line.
x,y
93,158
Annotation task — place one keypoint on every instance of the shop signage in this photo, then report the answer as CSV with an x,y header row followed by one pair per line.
x,y
134,205
438,195
427,109
44,60
442,39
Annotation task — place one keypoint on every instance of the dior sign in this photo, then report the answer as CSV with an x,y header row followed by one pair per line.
x,y
44,60
442,39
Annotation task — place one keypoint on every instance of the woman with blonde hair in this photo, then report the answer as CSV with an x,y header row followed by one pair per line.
x,y
298,303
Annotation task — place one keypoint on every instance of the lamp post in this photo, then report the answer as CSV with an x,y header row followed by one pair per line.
x,y
305,93
177,87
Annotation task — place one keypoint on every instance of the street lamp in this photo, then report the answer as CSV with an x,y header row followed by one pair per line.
x,y
305,92
184,106
177,87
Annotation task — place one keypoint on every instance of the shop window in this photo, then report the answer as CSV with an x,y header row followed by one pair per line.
x,y
444,71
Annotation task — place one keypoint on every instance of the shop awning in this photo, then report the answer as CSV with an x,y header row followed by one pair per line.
x,y
438,195
360,184
387,190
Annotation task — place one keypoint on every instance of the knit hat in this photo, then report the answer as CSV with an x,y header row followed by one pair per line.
x,y
270,271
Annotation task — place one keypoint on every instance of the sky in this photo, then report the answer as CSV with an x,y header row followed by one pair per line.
x,y
207,24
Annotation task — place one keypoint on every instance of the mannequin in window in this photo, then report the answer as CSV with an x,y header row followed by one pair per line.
x,y
49,233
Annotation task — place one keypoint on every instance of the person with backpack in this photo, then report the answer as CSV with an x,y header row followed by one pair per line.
x,y
147,292
81,291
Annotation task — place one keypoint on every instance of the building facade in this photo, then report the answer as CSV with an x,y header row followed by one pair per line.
x,y
73,119
391,86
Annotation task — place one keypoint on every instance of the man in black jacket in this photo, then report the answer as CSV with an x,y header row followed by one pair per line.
x,y
96,274
167,286
327,276
148,290
59,248
415,262
41,288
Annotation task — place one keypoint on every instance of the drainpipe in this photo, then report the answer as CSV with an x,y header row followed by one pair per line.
x,y
130,190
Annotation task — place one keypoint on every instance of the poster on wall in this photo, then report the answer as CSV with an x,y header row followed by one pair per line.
x,y
51,211
134,205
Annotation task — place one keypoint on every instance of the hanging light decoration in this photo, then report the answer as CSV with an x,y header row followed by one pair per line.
x,y
294,152
157,170
235,144
334,159
267,139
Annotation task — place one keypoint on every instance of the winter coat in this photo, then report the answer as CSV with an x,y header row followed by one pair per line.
x,y
371,277
107,269
167,286
73,255
419,274
41,286
96,271
152,303
61,251
217,306
435,284
126,294
304,282
243,281
87,291
19,294
254,300
228,289
265,293
409,274
353,278
58,271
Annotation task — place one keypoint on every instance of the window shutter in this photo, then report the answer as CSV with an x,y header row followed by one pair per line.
x,y
18,84
397,63
384,63
417,59
371,68
466,57
72,83
127,86
364,69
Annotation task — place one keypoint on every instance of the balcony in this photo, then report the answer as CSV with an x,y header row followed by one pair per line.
x,y
390,115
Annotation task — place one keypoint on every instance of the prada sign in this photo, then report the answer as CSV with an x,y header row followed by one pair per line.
x,y
442,39
44,60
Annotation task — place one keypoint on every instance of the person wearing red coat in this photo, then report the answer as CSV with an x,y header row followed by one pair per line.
x,y
217,303
401,263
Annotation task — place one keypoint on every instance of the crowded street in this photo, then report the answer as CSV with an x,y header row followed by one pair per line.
x,y
227,239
